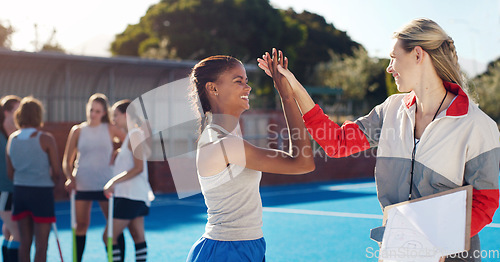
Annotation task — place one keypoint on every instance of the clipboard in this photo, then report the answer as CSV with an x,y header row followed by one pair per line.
x,y
416,217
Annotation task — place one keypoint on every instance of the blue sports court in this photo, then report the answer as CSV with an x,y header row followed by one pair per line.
x,y
308,222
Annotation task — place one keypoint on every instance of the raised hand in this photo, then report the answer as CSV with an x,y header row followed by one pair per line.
x,y
296,85
272,63
262,63
298,92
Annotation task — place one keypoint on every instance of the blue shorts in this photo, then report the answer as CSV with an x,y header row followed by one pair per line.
x,y
208,250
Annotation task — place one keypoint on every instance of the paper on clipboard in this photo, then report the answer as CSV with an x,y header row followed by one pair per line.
x,y
428,228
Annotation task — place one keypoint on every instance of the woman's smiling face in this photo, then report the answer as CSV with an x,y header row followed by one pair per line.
x,y
233,90
402,67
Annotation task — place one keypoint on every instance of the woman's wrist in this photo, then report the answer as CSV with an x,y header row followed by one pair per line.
x,y
287,98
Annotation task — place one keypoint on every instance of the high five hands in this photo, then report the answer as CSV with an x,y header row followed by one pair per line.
x,y
276,66
267,62
270,65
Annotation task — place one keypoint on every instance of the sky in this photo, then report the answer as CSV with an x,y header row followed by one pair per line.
x,y
88,27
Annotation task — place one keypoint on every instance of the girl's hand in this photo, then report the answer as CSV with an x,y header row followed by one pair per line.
x,y
109,189
280,82
299,93
262,63
70,184
296,85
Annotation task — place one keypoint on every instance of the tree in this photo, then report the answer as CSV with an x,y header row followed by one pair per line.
x,y
322,39
362,78
51,45
128,42
390,83
6,32
487,88
195,29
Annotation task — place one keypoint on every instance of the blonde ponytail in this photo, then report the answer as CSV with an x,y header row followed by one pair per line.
x,y
433,39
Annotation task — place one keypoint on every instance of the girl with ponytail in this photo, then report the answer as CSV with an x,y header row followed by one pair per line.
x,y
230,168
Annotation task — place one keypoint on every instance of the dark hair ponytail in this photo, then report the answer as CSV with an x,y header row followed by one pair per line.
x,y
208,70
121,105
7,104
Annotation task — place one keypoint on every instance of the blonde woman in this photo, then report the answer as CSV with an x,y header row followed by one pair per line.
x,y
430,139
87,164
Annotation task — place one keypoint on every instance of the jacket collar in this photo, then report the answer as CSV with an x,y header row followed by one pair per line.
x,y
459,107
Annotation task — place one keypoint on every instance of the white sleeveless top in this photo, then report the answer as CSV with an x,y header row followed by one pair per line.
x,y
92,167
232,197
136,188
31,163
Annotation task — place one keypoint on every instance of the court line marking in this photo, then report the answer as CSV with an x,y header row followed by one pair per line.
x,y
165,202
170,201
335,214
173,201
320,213
319,189
351,186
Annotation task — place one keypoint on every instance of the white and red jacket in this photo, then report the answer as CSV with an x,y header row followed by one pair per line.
x,y
460,147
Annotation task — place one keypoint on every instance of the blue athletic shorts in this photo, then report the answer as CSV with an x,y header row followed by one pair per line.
x,y
208,250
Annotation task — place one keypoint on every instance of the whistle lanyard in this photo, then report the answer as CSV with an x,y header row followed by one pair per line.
x,y
415,142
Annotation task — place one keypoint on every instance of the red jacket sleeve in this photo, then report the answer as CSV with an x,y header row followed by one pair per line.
x,y
336,141
484,205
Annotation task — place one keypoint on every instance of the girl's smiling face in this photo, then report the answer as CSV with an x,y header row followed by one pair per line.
x,y
232,90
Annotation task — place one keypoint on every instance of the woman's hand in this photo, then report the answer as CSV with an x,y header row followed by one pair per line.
x,y
109,188
280,82
298,91
282,68
70,184
262,63
296,85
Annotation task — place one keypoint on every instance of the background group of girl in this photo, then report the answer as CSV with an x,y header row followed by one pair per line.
x,y
30,167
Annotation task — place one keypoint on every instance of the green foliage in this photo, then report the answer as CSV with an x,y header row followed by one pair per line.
x,y
378,75
362,78
487,88
390,84
351,73
322,38
6,32
51,45
195,29
48,47
127,43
